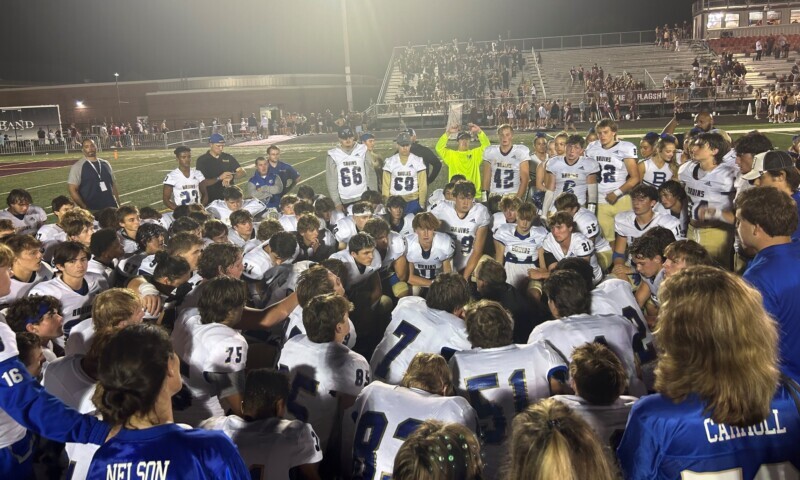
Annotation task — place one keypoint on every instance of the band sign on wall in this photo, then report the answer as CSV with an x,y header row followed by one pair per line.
x,y
23,123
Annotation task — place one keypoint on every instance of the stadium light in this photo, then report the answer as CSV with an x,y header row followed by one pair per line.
x,y
348,80
119,102
79,103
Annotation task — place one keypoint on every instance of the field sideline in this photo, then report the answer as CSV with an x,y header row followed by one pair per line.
x,y
140,174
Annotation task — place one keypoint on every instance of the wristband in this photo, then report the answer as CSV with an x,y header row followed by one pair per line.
x,y
717,215
619,193
146,289
592,207
617,255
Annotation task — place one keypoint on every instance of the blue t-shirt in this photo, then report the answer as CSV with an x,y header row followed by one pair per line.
x,y
665,440
775,272
168,452
796,198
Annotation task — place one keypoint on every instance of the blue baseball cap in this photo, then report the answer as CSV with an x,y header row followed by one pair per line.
x,y
366,136
216,138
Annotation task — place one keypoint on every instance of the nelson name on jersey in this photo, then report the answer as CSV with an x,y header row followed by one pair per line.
x,y
151,470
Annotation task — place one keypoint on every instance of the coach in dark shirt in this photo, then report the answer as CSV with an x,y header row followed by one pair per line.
x,y
91,180
491,285
430,159
217,164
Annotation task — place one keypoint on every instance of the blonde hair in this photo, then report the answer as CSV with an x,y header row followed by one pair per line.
x,y
429,372
6,256
439,451
718,342
114,306
548,440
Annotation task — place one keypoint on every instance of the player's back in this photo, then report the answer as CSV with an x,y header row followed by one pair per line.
x,y
320,374
607,421
614,331
613,296
385,415
416,328
501,382
274,443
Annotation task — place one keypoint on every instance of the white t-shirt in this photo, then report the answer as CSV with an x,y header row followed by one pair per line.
x,y
416,328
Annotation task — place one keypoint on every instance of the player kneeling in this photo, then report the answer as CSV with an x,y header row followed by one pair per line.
x,y
264,438
386,414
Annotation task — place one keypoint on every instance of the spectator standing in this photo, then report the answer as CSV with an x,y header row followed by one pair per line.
x,y
91,180
220,165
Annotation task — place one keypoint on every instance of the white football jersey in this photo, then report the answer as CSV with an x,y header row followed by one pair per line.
x,y
607,421
51,232
498,220
129,245
416,328
613,172
504,171
714,189
219,209
80,338
385,415
128,268
65,379
75,306
404,179
654,284
430,264
462,230
256,264
377,210
404,228
614,331
205,348
345,229
351,169
572,178
236,239
396,249
613,296
185,190
683,220
501,382
29,224
106,277
148,265
288,222
625,225
587,224
579,246
435,198
520,252
272,446
295,327
357,273
319,373
20,288
656,176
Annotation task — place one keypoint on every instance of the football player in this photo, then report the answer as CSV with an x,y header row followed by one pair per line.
x,y
572,173
429,252
505,167
467,223
184,185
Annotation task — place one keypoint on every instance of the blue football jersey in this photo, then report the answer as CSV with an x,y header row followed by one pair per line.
x,y
168,452
665,440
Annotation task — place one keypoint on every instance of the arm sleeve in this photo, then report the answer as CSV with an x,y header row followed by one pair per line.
x,y
27,402
433,162
441,146
331,177
252,191
485,142
74,177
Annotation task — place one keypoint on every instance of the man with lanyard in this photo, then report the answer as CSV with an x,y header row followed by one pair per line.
x,y
219,165
91,180
349,171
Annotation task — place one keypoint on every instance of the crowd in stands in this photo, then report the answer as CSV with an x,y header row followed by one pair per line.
x,y
669,38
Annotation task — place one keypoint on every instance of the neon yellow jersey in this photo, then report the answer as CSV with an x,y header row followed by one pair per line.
x,y
467,163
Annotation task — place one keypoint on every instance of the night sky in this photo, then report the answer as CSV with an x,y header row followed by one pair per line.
x,y
59,42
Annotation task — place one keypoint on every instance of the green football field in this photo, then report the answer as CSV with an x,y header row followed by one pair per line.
x,y
140,173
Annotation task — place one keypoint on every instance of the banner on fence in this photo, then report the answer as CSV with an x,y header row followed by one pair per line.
x,y
23,123
641,96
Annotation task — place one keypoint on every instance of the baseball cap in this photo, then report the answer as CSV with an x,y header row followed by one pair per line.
x,y
403,139
411,131
463,135
216,138
366,136
346,132
768,161
795,138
